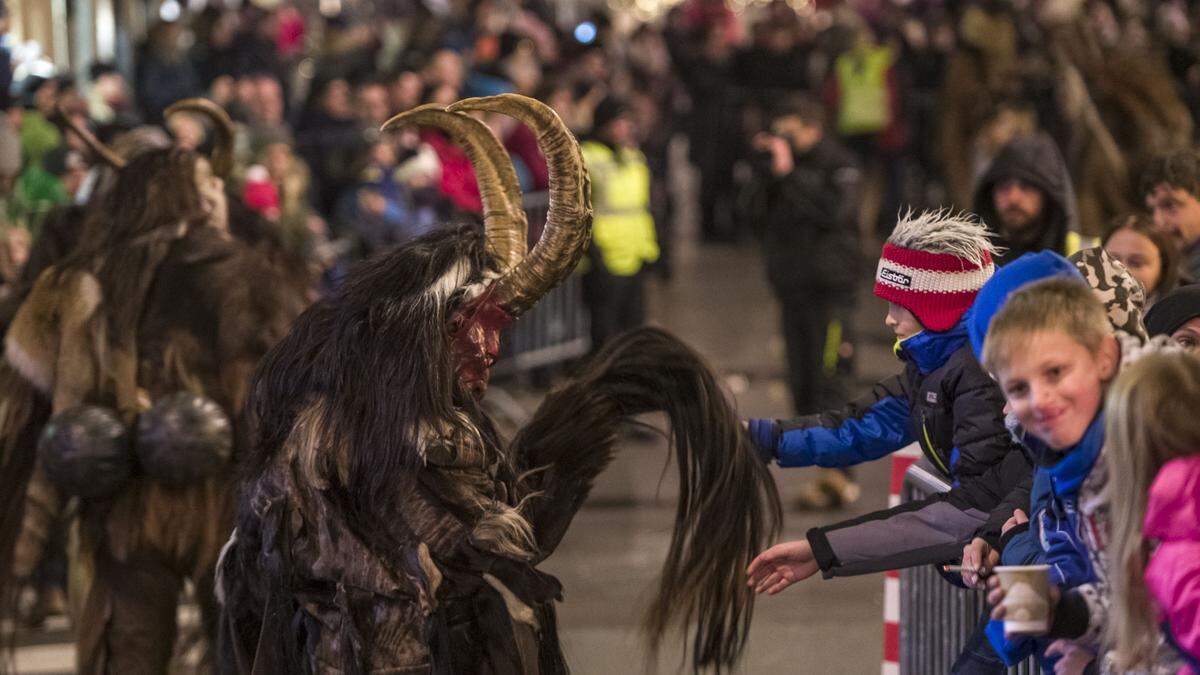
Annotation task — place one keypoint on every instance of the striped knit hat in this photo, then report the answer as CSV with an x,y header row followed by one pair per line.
x,y
933,265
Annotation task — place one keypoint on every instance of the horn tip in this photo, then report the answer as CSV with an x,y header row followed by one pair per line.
x,y
403,119
465,104
478,102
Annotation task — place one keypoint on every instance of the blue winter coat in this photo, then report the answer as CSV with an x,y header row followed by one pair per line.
x,y
1054,537
943,400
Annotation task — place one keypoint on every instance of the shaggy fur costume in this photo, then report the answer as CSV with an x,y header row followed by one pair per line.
x,y
385,527
212,310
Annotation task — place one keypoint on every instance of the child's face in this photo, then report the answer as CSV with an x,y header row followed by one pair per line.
x,y
1055,385
902,322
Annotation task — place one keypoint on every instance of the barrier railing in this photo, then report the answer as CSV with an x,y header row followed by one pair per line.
x,y
936,617
556,329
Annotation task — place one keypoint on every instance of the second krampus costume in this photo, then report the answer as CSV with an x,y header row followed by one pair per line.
x,y
385,527
137,348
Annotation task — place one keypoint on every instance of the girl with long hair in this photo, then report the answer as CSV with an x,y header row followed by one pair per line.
x,y
1148,254
1155,538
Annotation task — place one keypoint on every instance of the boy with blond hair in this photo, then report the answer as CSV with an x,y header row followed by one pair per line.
x,y
1053,350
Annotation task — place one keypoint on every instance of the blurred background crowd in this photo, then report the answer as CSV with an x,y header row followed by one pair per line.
x,y
923,93
803,125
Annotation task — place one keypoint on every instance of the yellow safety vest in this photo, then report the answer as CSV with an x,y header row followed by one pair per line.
x,y
1077,242
862,84
622,227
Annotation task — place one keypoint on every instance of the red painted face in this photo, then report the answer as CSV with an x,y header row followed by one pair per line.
x,y
475,334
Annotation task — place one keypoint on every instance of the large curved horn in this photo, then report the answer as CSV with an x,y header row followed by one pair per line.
x,y
105,153
503,218
569,219
222,126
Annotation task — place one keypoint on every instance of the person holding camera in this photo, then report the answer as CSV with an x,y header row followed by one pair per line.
x,y
805,193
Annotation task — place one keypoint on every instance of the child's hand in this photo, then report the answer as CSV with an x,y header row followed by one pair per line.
x,y
978,559
995,598
781,566
1074,658
1018,518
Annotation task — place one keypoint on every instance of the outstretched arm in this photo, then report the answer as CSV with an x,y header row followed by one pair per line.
x,y
869,428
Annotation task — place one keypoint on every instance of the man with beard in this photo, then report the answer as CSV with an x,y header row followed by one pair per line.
x,y
1026,199
1171,188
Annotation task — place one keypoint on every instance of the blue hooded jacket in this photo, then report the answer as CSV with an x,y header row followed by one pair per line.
x,y
1055,526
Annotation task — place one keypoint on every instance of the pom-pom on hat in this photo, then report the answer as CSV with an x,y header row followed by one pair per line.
x,y
934,264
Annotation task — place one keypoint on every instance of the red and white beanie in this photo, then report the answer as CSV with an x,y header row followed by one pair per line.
x,y
936,287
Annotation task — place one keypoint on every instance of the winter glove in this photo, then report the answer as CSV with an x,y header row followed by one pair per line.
x,y
765,434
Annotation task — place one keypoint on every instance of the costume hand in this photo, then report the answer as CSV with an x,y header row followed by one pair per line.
x,y
1074,658
1018,518
781,566
980,557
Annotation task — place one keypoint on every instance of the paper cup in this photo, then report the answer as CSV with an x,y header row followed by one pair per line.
x,y
1026,598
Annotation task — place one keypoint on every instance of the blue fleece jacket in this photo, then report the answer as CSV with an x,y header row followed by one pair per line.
x,y
1055,527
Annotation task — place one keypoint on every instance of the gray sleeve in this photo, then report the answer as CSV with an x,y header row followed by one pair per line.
x,y
928,531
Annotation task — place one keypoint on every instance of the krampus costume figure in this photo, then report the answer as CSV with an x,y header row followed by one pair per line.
x,y
138,349
386,528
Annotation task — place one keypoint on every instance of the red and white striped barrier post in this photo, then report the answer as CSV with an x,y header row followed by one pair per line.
x,y
901,460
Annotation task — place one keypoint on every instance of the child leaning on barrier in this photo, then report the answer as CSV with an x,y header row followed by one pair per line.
x,y
1122,298
1153,502
932,267
1054,351
1152,434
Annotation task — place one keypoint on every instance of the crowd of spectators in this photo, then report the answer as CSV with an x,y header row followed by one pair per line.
x,y
309,91
1055,121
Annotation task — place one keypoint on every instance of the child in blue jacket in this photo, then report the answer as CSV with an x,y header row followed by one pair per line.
x,y
1054,353
932,267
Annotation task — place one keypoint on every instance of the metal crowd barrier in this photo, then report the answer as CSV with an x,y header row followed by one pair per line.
x,y
936,617
556,329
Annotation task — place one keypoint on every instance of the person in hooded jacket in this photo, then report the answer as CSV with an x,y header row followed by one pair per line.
x,y
622,227
1026,197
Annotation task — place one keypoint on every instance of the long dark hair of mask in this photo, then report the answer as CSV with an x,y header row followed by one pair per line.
x,y
374,363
